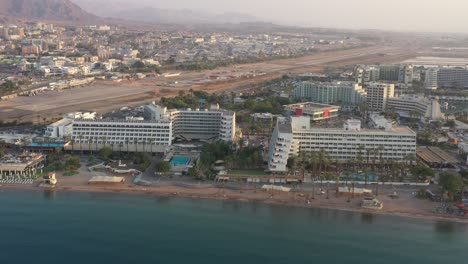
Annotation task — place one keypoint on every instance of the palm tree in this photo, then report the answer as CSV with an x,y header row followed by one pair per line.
x,y
127,141
337,176
104,140
144,145
313,161
135,141
304,162
90,141
72,143
151,145
368,153
374,158
381,150
359,157
411,159
80,137
120,148
328,176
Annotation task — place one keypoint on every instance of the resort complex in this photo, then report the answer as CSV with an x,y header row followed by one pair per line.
x,y
294,135
155,130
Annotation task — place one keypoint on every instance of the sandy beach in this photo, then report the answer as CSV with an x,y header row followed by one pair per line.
x,y
405,205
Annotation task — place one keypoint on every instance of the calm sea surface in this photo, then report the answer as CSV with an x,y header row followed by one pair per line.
x,y
63,227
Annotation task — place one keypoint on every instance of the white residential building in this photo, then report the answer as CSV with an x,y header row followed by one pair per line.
x,y
414,106
294,134
60,129
331,92
367,73
430,81
378,94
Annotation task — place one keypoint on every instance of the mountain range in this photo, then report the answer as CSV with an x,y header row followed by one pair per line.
x,y
48,10
95,11
140,12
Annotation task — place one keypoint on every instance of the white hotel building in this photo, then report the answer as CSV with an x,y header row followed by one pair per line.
x,y
293,135
136,131
198,124
157,130
414,106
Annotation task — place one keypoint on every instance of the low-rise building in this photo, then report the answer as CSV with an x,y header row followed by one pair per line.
x,y
60,129
316,111
25,164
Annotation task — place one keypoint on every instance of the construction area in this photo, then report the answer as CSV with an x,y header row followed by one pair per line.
x,y
106,95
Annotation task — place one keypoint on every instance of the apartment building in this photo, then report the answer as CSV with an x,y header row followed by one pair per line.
x,y
378,94
446,78
367,73
330,92
390,72
294,134
430,81
452,78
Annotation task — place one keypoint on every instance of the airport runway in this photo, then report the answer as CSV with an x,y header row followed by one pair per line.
x,y
106,95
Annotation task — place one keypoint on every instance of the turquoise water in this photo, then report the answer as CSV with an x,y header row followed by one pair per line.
x,y
179,160
50,145
60,227
362,177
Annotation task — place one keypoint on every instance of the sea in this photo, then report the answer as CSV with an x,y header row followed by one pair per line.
x,y
71,227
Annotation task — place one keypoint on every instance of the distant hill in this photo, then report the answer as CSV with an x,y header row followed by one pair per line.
x,y
48,10
116,9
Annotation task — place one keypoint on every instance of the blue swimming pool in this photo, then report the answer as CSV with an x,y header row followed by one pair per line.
x,y
362,177
180,161
47,145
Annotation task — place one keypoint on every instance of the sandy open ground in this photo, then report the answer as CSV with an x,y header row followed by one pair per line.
x,y
106,95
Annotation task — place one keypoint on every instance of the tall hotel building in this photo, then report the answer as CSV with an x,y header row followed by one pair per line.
x,y
159,127
294,134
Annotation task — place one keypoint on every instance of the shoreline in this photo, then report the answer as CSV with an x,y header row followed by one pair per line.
x,y
230,195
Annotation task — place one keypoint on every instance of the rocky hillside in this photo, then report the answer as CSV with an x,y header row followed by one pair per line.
x,y
49,10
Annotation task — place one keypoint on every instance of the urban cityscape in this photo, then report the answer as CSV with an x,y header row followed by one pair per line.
x,y
220,113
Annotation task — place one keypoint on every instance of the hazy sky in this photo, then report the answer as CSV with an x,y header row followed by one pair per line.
x,y
409,15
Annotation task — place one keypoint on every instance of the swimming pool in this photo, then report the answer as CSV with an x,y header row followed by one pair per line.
x,y
180,161
362,177
47,145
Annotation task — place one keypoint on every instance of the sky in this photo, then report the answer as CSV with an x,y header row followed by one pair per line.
x,y
403,15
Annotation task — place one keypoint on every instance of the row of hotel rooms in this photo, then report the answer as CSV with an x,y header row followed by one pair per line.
x,y
156,130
